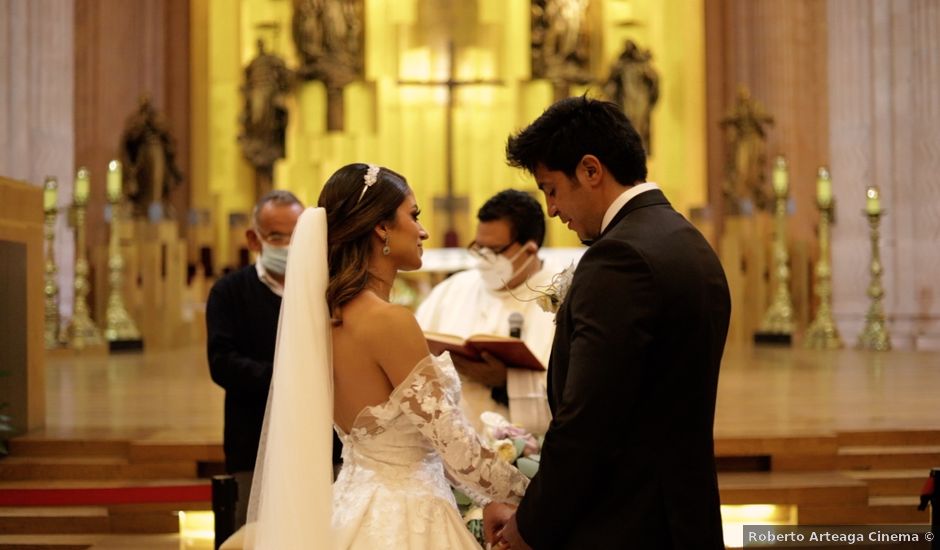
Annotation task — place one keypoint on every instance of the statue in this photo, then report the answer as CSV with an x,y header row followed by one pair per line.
x,y
330,41
560,41
747,157
149,158
264,117
634,84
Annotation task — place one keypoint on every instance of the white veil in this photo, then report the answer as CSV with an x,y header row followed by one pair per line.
x,y
291,495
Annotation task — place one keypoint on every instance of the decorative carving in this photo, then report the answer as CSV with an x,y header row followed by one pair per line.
x,y
148,152
329,39
560,40
634,84
264,117
746,126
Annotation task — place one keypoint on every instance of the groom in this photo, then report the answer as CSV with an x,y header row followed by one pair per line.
x,y
628,460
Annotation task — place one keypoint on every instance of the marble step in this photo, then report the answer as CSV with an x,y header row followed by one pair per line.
x,y
54,447
48,542
795,488
168,451
891,482
35,520
895,438
62,468
889,457
134,451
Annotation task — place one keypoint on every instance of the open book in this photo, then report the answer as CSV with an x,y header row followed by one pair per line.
x,y
511,351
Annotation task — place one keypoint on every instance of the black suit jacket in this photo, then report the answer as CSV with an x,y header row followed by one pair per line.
x,y
628,460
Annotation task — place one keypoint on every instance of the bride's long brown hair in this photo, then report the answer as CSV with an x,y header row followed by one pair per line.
x,y
350,222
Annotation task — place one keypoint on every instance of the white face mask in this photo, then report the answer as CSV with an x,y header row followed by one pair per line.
x,y
274,258
498,271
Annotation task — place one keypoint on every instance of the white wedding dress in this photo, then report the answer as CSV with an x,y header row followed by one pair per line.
x,y
392,491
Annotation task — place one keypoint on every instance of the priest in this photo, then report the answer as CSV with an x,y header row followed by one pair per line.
x,y
500,296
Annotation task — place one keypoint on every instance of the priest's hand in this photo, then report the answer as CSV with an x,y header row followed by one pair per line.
x,y
510,536
490,372
495,516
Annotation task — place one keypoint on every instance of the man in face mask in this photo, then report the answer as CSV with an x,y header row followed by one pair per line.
x,y
510,232
241,321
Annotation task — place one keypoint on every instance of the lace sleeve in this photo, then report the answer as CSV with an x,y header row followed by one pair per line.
x,y
425,400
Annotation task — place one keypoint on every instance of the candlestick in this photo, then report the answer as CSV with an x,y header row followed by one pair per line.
x,y
82,186
823,189
777,326
822,332
872,201
121,330
81,330
114,181
780,178
875,334
49,193
50,284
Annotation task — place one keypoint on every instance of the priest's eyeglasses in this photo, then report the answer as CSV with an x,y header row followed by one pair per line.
x,y
486,252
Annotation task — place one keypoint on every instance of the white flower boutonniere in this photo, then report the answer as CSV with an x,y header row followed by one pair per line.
x,y
551,296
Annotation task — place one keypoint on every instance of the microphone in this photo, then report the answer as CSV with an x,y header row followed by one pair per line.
x,y
515,324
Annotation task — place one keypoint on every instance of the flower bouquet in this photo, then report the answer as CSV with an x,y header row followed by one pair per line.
x,y
513,445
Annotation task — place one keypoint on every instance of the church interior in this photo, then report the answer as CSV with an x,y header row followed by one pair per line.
x,y
800,137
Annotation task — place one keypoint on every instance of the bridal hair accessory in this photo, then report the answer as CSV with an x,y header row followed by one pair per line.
x,y
372,176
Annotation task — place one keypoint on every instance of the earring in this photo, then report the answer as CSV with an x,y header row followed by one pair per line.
x,y
386,250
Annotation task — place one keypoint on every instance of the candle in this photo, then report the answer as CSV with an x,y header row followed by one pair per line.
x,y
82,185
49,194
872,204
780,177
114,181
823,188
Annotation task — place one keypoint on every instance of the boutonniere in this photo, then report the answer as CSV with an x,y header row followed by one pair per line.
x,y
550,297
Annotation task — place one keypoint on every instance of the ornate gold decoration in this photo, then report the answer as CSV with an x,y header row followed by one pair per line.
x,y
634,85
121,326
875,334
51,286
330,40
561,48
779,317
264,117
81,330
822,332
747,159
148,154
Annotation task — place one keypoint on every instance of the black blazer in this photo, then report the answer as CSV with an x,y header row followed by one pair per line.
x,y
628,460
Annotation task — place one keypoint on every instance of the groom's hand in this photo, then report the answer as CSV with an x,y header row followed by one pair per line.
x,y
490,372
495,516
510,534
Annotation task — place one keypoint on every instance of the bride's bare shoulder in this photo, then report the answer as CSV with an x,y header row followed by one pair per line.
x,y
388,332
371,317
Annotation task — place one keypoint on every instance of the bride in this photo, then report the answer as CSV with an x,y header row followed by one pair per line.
x,y
359,363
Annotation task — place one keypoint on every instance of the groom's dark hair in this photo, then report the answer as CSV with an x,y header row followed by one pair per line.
x,y
520,210
578,126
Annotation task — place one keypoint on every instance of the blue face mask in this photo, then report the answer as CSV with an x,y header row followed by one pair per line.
x,y
274,258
